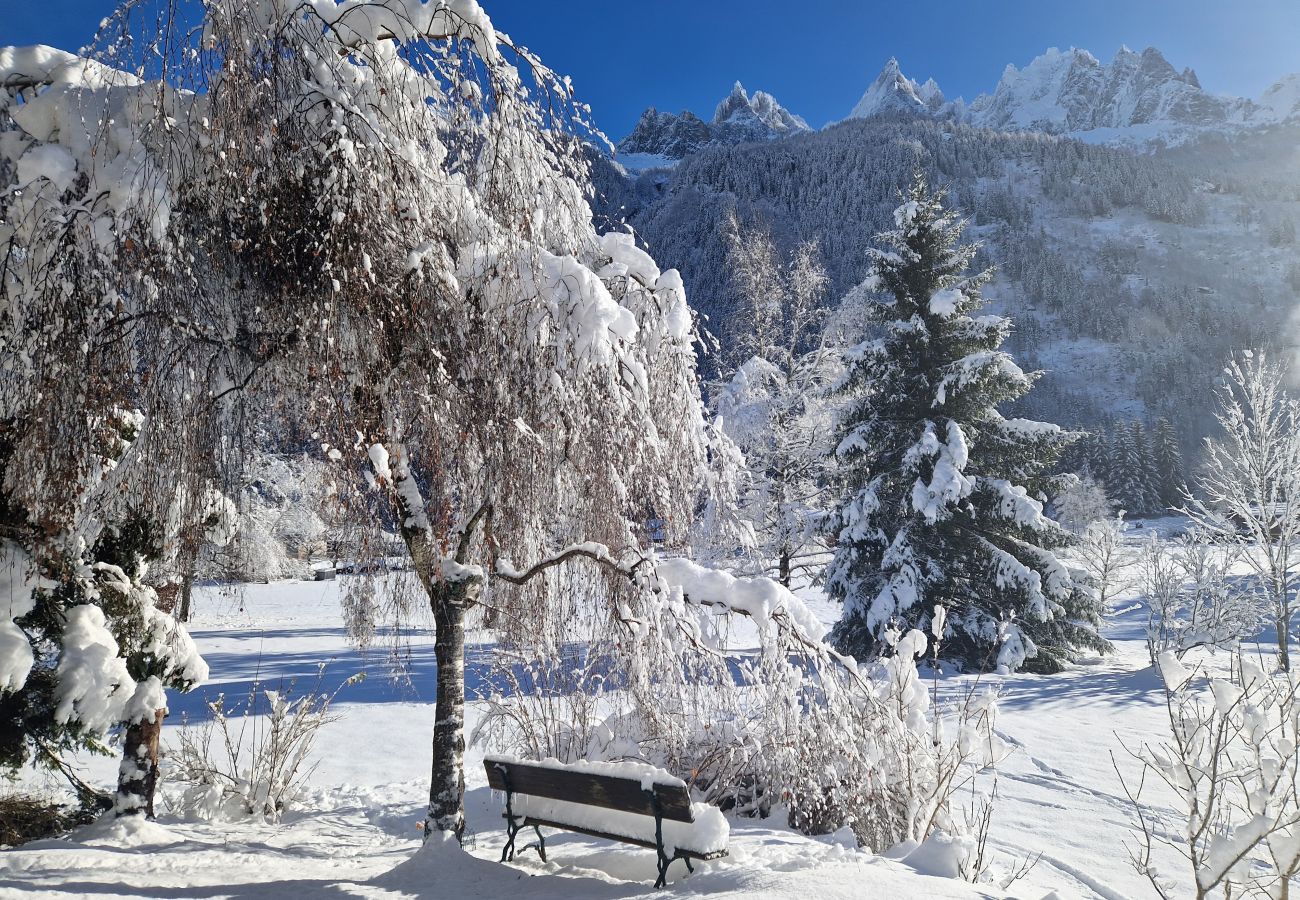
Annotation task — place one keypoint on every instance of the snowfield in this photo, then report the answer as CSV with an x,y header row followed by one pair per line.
x,y
354,832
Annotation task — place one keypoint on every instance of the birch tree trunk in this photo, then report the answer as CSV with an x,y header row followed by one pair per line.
x,y
447,782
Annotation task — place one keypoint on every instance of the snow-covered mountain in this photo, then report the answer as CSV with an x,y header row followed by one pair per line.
x,y
1072,92
759,114
1133,98
894,92
740,118
1282,101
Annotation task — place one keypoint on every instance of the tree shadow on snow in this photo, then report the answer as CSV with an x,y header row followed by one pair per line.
x,y
407,676
1081,687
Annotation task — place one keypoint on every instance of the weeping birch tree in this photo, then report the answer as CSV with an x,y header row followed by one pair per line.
x,y
373,218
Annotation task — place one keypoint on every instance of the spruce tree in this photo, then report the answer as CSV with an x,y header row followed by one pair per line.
x,y
1171,477
941,495
1133,483
1147,480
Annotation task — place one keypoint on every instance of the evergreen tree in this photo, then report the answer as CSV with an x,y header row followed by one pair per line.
x,y
1171,477
1133,480
940,494
1111,462
1146,470
84,648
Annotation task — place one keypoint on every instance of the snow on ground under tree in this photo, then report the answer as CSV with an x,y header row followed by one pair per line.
x,y
354,834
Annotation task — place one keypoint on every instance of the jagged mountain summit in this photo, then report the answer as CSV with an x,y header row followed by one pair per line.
x,y
759,113
894,92
1067,91
1072,92
740,118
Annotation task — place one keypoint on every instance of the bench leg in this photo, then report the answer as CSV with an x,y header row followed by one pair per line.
x,y
540,846
541,843
508,851
664,862
512,831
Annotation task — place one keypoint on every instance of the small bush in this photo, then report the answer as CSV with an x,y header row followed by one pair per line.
x,y
246,762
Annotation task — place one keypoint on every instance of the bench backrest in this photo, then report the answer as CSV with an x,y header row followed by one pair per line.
x,y
590,789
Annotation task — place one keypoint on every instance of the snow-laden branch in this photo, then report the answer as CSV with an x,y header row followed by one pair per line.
x,y
23,68
757,597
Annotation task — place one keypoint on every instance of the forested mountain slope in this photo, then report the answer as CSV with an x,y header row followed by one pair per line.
x,y
1131,275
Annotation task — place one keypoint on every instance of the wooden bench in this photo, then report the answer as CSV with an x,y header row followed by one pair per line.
x,y
582,787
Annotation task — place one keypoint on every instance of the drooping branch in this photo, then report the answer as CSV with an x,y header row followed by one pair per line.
x,y
591,550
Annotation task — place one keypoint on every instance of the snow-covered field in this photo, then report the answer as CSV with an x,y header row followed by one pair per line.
x,y
355,834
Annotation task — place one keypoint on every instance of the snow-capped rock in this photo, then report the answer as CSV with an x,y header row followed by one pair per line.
x,y
760,112
740,118
666,134
893,93
1072,92
1282,100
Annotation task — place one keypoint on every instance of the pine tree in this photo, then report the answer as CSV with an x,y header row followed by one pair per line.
x,y
1146,471
940,493
1171,477
1111,469
1133,473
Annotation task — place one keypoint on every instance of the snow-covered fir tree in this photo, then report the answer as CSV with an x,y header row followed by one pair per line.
x,y
1167,460
1131,474
85,649
941,503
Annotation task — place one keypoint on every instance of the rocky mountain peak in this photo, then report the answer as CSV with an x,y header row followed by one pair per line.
x,y
739,118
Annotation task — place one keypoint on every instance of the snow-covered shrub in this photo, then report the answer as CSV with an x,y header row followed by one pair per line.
x,y
1081,501
250,760
794,727
281,528
1105,559
1231,760
1191,597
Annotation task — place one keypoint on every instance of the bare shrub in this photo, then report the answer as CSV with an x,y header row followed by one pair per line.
x,y
251,762
1192,599
1230,761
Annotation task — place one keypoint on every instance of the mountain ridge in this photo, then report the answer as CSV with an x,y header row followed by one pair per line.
x,y
1072,92
739,118
1135,97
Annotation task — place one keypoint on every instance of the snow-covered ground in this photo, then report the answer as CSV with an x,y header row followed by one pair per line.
x,y
355,834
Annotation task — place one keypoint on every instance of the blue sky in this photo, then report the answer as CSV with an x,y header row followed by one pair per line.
x,y
818,56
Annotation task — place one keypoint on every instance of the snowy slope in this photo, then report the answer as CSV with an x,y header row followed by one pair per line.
x,y
354,833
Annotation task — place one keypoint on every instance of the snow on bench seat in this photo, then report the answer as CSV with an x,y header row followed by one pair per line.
x,y
611,800
706,836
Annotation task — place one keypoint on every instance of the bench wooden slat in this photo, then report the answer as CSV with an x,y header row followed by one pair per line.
x,y
681,853
590,789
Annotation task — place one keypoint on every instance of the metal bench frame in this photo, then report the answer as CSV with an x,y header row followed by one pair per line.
x,y
516,823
